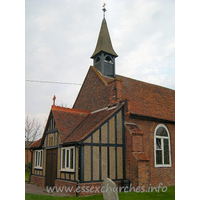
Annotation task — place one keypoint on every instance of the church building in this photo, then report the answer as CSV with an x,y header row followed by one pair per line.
x,y
119,128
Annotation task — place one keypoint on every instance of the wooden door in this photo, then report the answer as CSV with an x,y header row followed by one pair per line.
x,y
51,163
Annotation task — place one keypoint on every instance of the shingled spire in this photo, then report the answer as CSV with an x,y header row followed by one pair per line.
x,y
104,41
104,54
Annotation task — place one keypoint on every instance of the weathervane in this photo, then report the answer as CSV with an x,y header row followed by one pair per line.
x,y
104,9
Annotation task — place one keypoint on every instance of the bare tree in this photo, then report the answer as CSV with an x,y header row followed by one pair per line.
x,y
33,131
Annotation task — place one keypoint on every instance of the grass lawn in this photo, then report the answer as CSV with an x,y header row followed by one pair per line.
x,y
168,195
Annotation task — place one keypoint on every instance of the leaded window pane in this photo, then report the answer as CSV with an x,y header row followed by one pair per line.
x,y
158,157
166,151
161,132
71,158
36,157
63,158
67,164
158,143
41,157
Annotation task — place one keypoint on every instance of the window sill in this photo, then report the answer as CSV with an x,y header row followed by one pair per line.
x,y
163,166
66,170
38,168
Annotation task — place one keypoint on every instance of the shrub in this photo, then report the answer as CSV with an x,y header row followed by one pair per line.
x,y
28,167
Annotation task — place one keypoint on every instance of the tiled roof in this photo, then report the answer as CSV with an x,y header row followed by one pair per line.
x,y
28,143
74,124
67,119
36,144
147,99
91,123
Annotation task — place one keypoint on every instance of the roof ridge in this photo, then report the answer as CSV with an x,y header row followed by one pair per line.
x,y
70,110
98,124
99,110
144,82
105,108
118,77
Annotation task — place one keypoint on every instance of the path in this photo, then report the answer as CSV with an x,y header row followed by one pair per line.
x,y
33,189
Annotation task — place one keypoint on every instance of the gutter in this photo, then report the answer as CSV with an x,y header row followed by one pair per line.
x,y
152,118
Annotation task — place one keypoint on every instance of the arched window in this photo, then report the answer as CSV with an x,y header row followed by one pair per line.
x,y
108,59
162,146
97,59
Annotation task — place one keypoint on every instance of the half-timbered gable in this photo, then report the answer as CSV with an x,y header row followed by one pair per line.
x,y
103,151
51,135
44,151
101,132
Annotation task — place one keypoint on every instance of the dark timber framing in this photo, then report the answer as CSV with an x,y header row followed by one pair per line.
x,y
123,142
82,164
108,155
100,144
116,146
91,148
100,177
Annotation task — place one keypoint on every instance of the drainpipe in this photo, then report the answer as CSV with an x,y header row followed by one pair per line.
x,y
79,168
31,164
76,188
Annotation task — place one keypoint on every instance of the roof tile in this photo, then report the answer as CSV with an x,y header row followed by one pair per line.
x,y
90,123
147,99
67,119
36,144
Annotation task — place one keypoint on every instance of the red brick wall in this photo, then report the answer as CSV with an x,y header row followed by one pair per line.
x,y
143,173
29,156
61,183
38,180
115,91
131,164
138,171
93,94
137,143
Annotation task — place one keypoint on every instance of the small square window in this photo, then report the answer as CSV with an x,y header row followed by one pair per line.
x,y
67,159
38,159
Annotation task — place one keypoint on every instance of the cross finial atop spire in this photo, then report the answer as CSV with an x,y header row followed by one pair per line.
x,y
104,9
54,100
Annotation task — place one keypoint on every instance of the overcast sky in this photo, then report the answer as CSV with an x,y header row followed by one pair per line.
x,y
61,36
